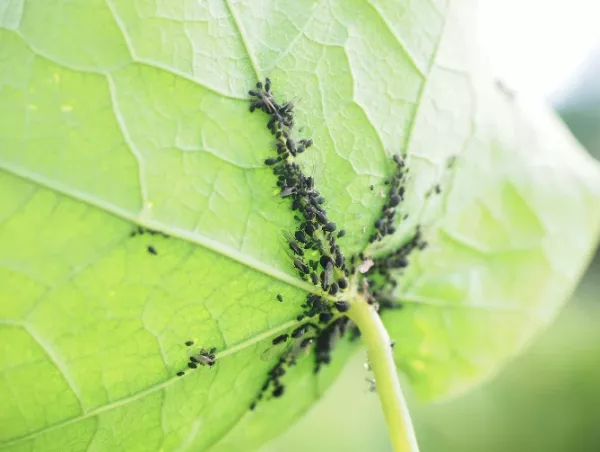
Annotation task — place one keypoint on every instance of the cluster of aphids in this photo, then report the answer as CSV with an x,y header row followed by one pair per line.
x,y
316,255
202,358
385,225
314,250
323,340
141,231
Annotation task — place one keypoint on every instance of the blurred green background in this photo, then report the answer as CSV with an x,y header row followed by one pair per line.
x,y
547,400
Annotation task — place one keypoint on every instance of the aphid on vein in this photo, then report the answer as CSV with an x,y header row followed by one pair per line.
x,y
180,373
301,266
300,236
152,250
278,391
325,317
314,278
342,306
281,338
272,161
327,276
333,289
294,247
207,358
329,227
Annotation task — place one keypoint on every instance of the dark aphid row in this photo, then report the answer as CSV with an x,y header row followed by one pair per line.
x,y
300,345
202,358
139,230
315,253
325,341
398,259
385,225
315,238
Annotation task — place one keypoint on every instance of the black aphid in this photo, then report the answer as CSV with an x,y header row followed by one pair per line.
x,y
342,306
300,266
343,283
272,161
321,217
309,228
280,298
180,373
325,317
314,278
341,234
333,289
192,365
278,391
299,332
325,260
329,227
152,250
281,338
189,343
295,248
300,236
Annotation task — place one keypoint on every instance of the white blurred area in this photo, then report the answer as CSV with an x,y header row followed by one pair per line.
x,y
536,46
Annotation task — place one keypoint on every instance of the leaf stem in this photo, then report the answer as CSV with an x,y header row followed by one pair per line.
x,y
400,428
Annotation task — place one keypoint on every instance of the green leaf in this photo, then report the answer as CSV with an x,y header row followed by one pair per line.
x,y
115,114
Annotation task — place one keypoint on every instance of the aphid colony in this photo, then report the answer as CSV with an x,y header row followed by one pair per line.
x,y
202,358
323,340
315,253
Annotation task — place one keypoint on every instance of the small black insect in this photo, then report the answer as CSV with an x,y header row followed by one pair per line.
x,y
333,289
394,200
314,278
278,391
192,365
281,338
325,260
272,161
325,317
300,266
267,84
341,234
295,248
280,298
152,250
205,358
329,227
299,332
342,306
321,217
180,373
343,283
300,236
309,228
189,343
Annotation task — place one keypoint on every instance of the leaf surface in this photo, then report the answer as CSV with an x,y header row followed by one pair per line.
x,y
115,114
